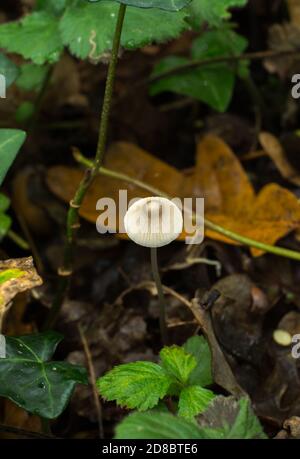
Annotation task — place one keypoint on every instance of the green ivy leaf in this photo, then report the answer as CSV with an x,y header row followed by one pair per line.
x,y
35,37
155,426
212,11
86,23
8,69
199,348
31,77
228,418
135,385
212,84
11,141
31,381
169,5
193,400
177,362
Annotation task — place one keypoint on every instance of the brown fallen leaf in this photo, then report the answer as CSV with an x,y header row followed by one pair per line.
x,y
230,200
273,148
16,275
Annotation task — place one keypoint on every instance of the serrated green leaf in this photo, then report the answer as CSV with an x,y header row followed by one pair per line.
x,y
155,426
8,69
212,11
88,28
169,5
4,202
199,348
5,224
52,6
28,379
212,84
31,77
193,400
11,141
135,385
228,418
35,37
177,362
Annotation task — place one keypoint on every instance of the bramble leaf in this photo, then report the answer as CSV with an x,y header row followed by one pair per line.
x,y
193,400
212,11
169,5
31,381
156,425
202,373
88,28
177,362
135,385
35,37
11,141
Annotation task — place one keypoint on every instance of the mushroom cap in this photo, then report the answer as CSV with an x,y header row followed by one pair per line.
x,y
153,222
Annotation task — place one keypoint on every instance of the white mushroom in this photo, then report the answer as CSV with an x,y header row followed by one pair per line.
x,y
153,222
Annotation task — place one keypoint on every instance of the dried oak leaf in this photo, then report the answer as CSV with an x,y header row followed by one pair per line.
x,y
230,200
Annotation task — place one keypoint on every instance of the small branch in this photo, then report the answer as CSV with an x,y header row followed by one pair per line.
x,y
18,240
260,55
92,373
208,223
75,204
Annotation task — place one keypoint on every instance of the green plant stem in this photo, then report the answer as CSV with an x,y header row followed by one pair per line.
x,y
75,204
208,223
18,240
161,298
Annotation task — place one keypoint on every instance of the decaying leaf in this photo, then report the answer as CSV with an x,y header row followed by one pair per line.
x,y
16,276
274,149
230,200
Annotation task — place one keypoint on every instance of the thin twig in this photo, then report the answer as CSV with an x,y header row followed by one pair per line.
x,y
73,214
280,251
92,373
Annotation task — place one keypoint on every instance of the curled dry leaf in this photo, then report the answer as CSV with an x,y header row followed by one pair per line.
x,y
16,276
274,149
230,199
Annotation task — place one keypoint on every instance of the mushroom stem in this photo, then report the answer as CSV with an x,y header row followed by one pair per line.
x,y
161,298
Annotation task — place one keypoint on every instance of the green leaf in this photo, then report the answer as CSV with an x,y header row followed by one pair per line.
x,y
52,6
8,69
199,348
135,385
193,400
212,11
154,426
177,362
88,28
169,5
11,141
5,224
35,37
4,202
31,77
228,418
28,379
212,84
